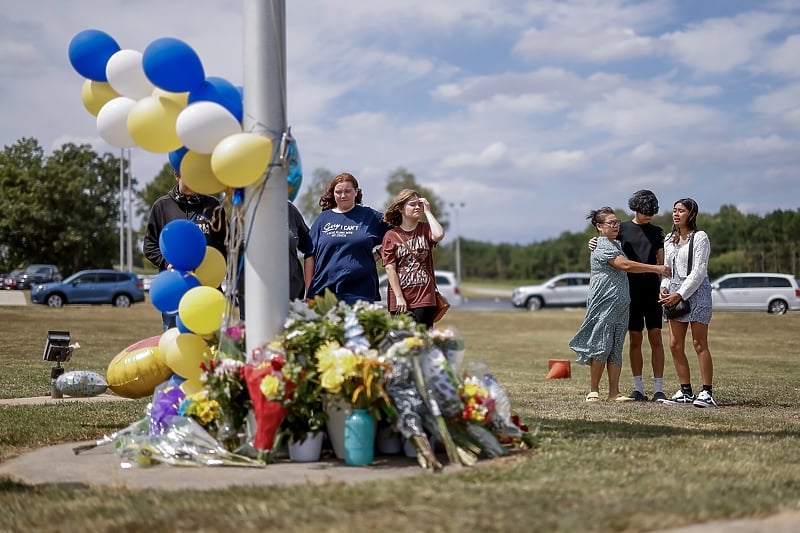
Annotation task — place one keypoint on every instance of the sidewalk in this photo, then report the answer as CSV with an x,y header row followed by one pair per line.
x,y
101,467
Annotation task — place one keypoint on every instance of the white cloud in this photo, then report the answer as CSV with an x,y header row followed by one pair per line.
x,y
722,44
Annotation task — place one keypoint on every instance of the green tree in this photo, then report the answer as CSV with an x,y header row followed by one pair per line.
x,y
308,200
63,209
401,179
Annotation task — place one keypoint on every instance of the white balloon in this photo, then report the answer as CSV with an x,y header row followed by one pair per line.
x,y
126,75
112,122
203,124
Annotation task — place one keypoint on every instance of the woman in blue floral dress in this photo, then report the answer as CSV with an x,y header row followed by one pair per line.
x,y
600,338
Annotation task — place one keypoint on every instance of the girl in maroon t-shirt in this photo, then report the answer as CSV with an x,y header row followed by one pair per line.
x,y
407,254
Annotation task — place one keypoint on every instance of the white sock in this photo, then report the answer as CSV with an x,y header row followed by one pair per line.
x,y
638,384
658,385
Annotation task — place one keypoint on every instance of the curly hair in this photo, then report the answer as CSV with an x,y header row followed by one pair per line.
x,y
644,202
327,201
394,213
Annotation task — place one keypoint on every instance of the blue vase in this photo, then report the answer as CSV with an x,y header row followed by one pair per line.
x,y
359,438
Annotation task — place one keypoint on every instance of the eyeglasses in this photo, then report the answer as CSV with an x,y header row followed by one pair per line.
x,y
613,223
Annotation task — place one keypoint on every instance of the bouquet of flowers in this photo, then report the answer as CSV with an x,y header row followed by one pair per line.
x,y
358,377
268,390
223,378
202,409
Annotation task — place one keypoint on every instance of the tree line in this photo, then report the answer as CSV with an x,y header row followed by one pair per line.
x,y
64,209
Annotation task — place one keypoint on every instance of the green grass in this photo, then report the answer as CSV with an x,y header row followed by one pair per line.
x,y
600,467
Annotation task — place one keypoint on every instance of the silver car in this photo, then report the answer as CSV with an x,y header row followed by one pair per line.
x,y
756,291
445,282
569,289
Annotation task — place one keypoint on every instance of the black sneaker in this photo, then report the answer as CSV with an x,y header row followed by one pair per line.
x,y
659,396
637,396
679,398
704,399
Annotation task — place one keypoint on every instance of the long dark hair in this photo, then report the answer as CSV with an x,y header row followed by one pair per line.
x,y
693,208
327,201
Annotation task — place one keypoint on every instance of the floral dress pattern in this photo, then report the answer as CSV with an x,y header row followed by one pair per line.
x,y
602,334
694,287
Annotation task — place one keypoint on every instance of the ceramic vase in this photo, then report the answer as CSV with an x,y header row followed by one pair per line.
x,y
307,450
337,410
359,438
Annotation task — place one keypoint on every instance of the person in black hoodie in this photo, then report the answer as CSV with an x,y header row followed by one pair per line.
x,y
181,202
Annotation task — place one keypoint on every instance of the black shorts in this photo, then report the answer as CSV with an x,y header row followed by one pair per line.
x,y
645,311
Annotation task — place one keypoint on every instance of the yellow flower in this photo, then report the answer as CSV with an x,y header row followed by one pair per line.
x,y
332,380
270,386
326,355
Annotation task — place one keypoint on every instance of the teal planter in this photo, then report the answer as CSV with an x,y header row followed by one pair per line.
x,y
359,438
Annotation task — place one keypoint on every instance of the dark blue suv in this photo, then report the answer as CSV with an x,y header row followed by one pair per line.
x,y
120,289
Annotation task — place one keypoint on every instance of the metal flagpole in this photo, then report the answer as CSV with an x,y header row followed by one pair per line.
x,y
130,213
266,267
121,208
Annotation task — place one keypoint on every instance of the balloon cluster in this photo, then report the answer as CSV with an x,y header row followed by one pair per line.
x,y
189,291
162,101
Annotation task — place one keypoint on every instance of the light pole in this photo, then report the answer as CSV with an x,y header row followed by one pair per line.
x,y
456,207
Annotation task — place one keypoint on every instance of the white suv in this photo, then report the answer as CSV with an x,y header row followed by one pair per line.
x,y
756,291
445,282
570,289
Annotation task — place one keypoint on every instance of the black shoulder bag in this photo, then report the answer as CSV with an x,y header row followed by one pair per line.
x,y
682,307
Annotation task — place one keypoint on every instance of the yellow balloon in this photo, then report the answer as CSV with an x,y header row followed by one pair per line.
x,y
201,310
241,159
182,99
151,124
96,94
185,353
211,271
197,174
137,370
166,340
191,386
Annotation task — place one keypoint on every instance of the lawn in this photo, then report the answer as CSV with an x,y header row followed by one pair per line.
x,y
600,467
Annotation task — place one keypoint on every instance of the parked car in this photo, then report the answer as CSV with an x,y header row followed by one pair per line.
x,y
756,291
120,289
36,274
569,289
11,280
445,282
146,280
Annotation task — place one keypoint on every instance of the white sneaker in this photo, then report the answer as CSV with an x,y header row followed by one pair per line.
x,y
679,398
704,399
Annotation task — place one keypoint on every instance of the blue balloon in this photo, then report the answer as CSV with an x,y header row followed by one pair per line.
x,y
181,326
222,92
295,177
182,244
89,52
168,287
175,158
175,380
172,65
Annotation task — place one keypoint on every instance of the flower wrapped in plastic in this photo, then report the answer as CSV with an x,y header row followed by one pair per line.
x,y
167,399
267,388
451,343
184,442
505,424
412,415
202,409
223,378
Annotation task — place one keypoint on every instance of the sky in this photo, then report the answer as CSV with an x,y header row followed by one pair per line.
x,y
522,116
